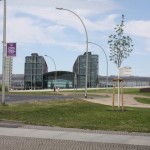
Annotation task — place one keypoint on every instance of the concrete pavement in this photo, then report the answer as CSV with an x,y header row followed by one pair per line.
x,y
27,133
76,136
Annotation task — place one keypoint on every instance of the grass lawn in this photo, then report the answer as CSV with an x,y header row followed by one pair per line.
x,y
110,90
78,114
143,100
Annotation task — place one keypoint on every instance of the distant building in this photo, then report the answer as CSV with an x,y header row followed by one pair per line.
x,y
17,82
125,71
128,81
58,79
79,69
35,67
65,79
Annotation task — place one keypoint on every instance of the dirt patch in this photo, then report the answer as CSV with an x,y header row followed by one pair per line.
x,y
128,101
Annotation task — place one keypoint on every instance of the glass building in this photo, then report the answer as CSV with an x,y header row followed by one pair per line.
x,y
35,67
58,79
79,68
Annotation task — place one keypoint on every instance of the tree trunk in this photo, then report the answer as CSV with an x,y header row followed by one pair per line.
x,y
118,90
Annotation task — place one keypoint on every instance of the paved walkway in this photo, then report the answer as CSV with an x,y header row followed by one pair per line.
x,y
38,137
128,100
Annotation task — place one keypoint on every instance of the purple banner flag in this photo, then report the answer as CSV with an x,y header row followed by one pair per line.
x,y
11,49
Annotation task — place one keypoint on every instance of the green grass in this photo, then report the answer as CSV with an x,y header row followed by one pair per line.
x,y
125,91
110,90
78,114
92,92
143,100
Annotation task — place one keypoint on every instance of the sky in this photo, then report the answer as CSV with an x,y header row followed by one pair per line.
x,y
38,27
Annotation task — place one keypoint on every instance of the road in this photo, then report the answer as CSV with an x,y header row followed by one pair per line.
x,y
10,98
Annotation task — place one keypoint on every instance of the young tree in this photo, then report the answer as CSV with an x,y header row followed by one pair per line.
x,y
120,48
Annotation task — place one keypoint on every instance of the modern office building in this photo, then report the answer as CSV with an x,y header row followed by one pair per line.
x,y
79,69
35,67
125,71
58,79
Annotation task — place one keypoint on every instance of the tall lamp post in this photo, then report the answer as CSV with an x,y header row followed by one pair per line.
x,y
107,66
4,55
86,76
55,69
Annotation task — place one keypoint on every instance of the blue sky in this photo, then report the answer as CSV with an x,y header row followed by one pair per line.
x,y
37,27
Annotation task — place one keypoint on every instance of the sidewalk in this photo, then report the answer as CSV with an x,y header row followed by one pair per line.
x,y
76,135
128,100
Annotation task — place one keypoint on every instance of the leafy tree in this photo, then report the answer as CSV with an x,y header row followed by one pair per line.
x,y
120,48
120,45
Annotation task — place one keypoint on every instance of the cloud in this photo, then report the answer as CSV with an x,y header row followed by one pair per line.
x,y
91,5
138,28
104,24
30,28
147,46
74,46
140,33
29,23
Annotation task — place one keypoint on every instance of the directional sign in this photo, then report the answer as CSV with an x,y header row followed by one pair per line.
x,y
11,49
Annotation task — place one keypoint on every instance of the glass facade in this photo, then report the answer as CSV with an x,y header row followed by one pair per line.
x,y
80,69
58,79
130,81
35,67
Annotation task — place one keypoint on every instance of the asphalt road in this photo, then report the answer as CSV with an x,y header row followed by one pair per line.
x,y
10,98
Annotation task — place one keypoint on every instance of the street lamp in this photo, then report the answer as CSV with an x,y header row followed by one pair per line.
x,y
4,55
107,66
55,69
86,76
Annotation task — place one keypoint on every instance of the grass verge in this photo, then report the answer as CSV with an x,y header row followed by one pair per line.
x,y
78,114
142,100
110,90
